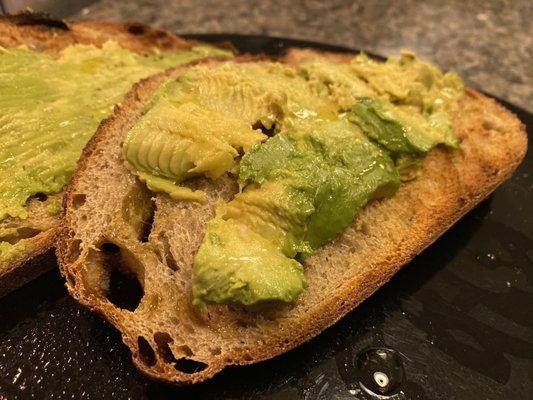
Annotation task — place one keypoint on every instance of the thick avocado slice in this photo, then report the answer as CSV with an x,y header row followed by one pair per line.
x,y
236,265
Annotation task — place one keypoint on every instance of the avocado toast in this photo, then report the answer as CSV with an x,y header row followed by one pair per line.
x,y
58,82
115,224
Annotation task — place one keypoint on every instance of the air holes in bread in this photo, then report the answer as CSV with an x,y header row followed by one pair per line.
x,y
146,353
110,248
162,340
164,254
78,200
184,364
123,271
138,210
41,197
269,132
24,232
74,250
189,366
71,281
147,224
124,291
186,350
136,29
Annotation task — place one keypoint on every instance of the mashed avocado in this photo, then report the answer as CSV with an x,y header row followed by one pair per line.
x,y
311,146
51,106
53,207
399,130
9,251
404,81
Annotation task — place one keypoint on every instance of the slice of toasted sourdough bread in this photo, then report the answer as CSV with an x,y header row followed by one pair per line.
x,y
43,34
114,226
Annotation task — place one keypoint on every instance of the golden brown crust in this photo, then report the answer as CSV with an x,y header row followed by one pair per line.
x,y
131,35
386,235
51,37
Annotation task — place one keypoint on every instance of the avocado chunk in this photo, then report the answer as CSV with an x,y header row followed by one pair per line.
x,y
51,105
236,265
335,80
408,81
397,130
406,135
404,81
301,189
174,142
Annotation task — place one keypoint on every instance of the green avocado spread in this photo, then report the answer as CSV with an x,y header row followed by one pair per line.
x,y
310,145
51,105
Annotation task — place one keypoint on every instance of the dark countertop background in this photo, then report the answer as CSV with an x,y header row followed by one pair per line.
x,y
489,43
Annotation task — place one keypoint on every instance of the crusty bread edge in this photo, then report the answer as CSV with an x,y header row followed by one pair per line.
x,y
27,266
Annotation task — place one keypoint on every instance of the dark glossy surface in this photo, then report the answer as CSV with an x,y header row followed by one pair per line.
x,y
458,319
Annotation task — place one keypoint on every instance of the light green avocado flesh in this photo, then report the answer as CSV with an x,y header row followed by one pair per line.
x,y
51,106
334,136
237,262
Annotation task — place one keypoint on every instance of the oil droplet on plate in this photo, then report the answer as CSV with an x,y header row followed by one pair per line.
x,y
380,371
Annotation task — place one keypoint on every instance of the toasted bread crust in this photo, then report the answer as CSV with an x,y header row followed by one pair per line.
x,y
384,237
131,35
50,36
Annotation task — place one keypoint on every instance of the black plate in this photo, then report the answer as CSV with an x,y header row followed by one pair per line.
x,y
459,319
